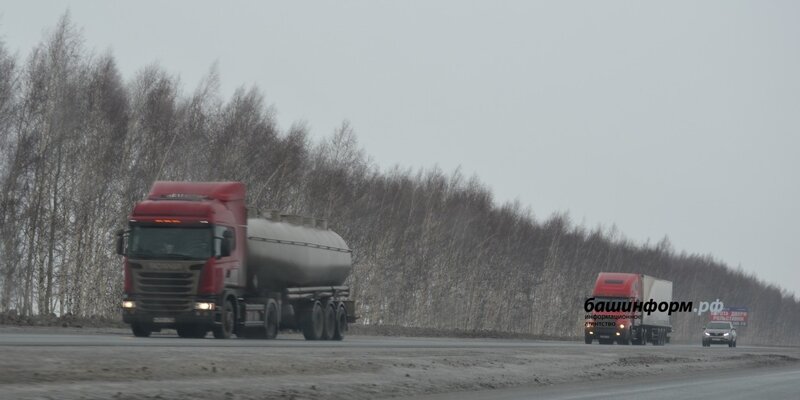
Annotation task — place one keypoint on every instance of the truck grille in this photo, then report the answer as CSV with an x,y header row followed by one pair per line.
x,y
166,288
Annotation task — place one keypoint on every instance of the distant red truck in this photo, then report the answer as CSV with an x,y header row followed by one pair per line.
x,y
623,322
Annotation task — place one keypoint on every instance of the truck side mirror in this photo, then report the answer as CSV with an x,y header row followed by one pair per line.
x,y
121,242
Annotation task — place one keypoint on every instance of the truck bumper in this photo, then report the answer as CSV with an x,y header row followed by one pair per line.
x,y
606,333
168,319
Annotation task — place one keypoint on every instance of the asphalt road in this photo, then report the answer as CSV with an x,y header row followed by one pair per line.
x,y
284,340
56,363
296,340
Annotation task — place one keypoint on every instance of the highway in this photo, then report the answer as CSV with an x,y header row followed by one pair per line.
x,y
123,339
59,363
284,340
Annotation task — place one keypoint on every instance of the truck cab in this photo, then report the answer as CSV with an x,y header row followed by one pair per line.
x,y
184,252
613,326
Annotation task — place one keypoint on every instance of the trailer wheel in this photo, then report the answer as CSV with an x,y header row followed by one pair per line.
x,y
341,323
271,320
329,321
639,338
660,337
313,321
224,330
140,330
642,337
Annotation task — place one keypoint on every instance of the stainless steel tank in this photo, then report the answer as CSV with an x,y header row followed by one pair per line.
x,y
294,252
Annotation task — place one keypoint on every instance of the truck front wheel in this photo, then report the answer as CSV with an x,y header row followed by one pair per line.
x,y
140,330
625,338
587,339
225,328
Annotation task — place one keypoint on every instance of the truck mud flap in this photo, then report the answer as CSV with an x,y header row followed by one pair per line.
x,y
350,307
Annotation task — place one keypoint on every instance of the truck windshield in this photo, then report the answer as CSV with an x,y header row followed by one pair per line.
x,y
611,305
180,243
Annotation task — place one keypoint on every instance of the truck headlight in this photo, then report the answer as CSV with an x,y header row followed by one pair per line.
x,y
128,304
204,306
725,334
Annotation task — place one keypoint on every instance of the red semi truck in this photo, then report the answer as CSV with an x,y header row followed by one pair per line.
x,y
195,262
627,324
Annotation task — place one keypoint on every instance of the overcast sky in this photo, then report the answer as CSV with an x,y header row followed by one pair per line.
x,y
664,118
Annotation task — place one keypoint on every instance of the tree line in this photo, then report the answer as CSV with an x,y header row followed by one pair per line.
x,y
79,145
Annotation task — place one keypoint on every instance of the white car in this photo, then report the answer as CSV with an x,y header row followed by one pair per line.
x,y
719,332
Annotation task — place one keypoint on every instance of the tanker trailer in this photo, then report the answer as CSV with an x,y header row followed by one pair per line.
x,y
301,264
195,263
